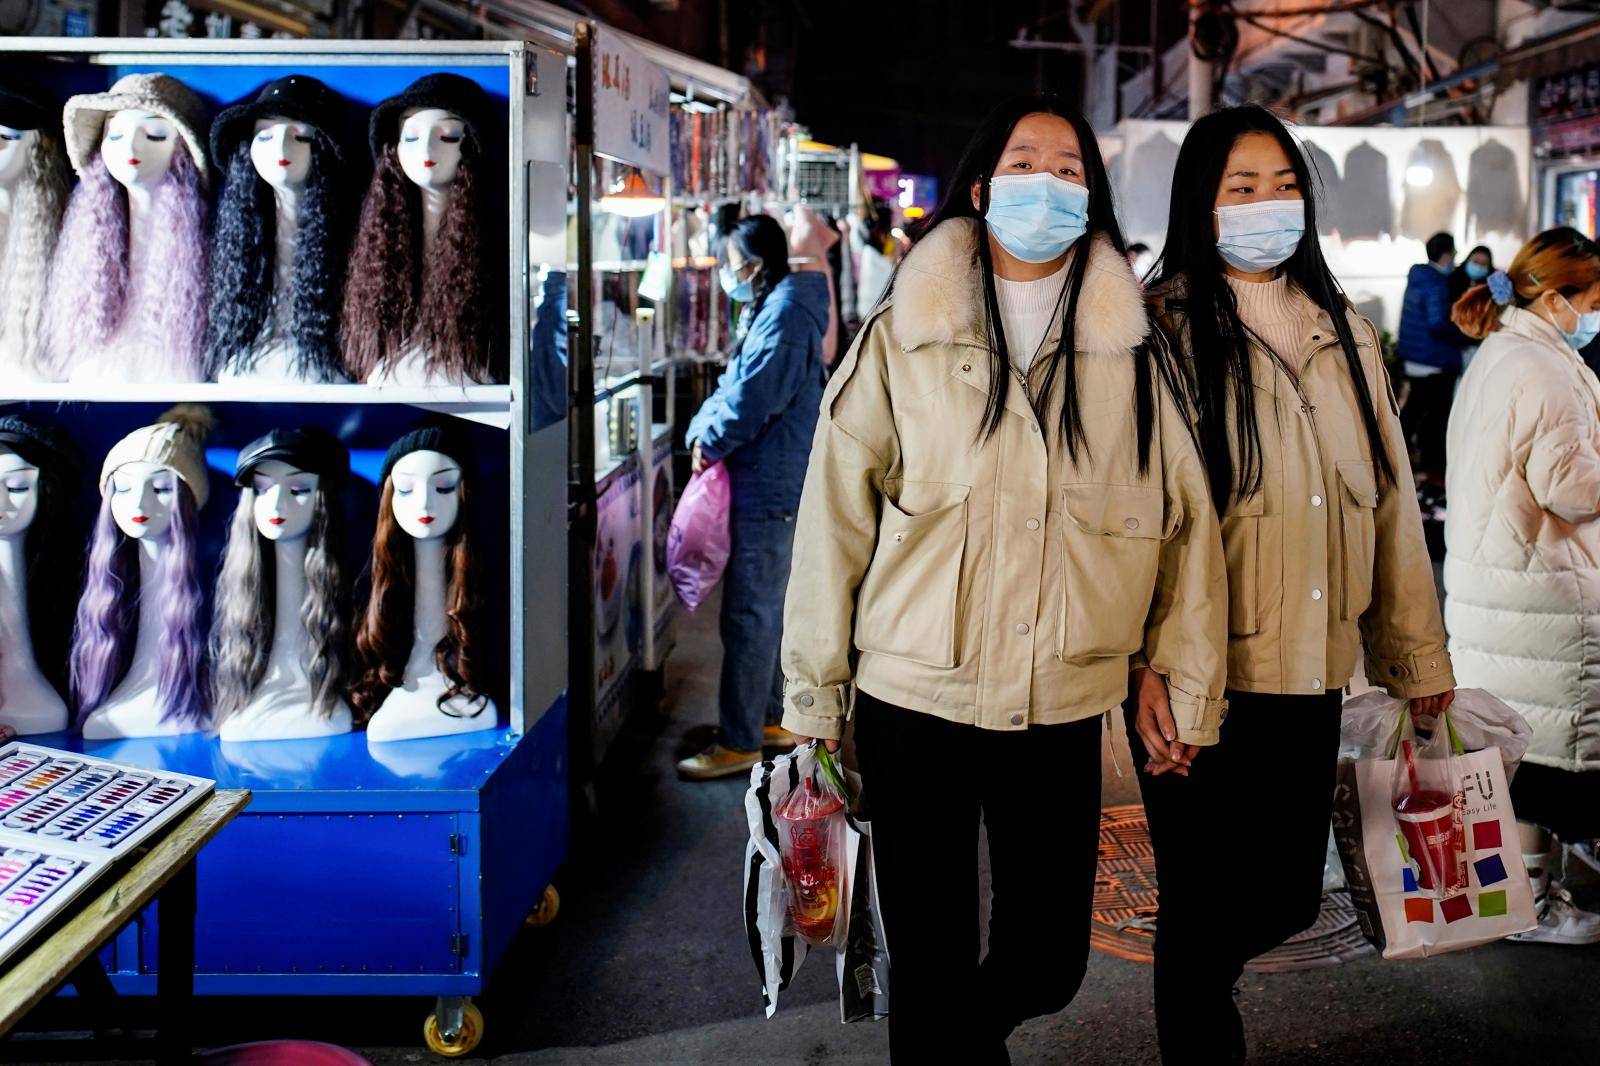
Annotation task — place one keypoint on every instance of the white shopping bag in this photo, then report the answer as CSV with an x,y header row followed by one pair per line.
x,y
863,959
1402,917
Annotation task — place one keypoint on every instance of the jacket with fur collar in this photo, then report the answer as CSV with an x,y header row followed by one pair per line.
x,y
993,581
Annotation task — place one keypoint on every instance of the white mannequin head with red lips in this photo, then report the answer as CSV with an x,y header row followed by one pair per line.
x,y
430,146
280,148
143,498
137,147
426,503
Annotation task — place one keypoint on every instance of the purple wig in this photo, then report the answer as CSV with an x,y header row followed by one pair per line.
x,y
108,619
91,290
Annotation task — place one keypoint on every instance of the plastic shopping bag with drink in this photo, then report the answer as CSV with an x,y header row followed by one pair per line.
x,y
699,540
1425,827
809,880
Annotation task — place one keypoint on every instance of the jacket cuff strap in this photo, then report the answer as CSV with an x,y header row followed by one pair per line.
x,y
1199,719
813,711
1423,673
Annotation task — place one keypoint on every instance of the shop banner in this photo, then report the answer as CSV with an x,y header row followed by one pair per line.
x,y
630,104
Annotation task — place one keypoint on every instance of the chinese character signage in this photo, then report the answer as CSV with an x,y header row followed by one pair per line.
x,y
630,104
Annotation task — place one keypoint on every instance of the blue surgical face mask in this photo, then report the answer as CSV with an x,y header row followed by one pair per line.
x,y
1036,217
742,291
1475,271
1588,327
1260,236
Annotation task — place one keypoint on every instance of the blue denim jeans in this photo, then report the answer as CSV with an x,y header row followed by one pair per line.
x,y
753,588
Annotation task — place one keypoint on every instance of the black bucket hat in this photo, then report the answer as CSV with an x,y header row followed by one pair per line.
x,y
27,105
299,98
449,92
307,448
441,437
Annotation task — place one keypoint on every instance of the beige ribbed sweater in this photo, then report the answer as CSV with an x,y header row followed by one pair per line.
x,y
1279,314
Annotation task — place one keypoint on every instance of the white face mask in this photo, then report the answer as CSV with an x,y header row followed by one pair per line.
x,y
1260,236
427,500
144,497
281,152
137,147
430,147
14,148
19,494
285,500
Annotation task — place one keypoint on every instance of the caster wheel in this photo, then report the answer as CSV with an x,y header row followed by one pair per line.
x,y
465,1042
545,911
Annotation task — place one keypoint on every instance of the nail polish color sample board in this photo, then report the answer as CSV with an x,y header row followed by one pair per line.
x,y
65,819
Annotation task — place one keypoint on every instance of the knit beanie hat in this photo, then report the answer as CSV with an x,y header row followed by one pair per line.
x,y
84,117
177,440
441,437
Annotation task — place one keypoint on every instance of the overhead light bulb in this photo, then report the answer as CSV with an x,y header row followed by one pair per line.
x,y
631,197
1419,174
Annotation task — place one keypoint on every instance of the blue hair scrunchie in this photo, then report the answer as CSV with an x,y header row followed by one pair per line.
x,y
1500,287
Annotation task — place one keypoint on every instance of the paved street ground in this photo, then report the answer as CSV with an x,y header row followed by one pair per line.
x,y
648,962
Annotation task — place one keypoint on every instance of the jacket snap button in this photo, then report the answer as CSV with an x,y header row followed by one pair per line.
x,y
1131,523
807,700
1033,523
898,537
1394,671
1316,683
1016,719
1022,629
966,367
1316,594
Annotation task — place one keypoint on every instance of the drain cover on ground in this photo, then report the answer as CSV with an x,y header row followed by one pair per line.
x,y
1125,905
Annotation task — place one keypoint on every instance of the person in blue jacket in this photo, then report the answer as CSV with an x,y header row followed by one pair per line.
x,y
759,423
1431,346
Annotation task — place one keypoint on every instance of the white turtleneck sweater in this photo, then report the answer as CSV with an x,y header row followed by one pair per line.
x,y
1027,311
1279,314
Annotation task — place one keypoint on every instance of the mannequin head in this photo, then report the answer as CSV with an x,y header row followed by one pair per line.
x,y
156,473
42,458
418,473
138,147
273,152
19,494
143,498
14,148
430,146
245,613
427,494
281,151
396,296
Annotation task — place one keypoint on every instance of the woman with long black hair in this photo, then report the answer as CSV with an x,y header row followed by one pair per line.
x,y
1308,469
759,422
1004,504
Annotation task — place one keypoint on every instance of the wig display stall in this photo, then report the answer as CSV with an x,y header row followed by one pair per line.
x,y
283,402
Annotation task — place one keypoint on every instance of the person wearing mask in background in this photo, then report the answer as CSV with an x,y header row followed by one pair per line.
x,y
1004,503
1522,559
1431,347
759,422
1308,468
1474,270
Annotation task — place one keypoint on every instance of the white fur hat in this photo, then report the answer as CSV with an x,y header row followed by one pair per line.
x,y
84,117
177,440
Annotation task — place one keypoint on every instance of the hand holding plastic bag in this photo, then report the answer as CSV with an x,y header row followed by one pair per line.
x,y
1481,721
699,540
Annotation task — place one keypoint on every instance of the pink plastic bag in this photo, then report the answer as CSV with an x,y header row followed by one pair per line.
x,y
699,542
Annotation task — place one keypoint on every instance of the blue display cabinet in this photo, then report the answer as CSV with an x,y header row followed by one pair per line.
x,y
402,868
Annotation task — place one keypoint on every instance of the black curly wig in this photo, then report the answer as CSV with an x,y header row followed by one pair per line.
x,y
244,245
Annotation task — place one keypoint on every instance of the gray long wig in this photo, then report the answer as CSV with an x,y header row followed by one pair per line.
x,y
28,245
243,619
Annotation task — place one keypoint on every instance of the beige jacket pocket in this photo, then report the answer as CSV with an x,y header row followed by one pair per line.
x,y
1358,503
909,598
1241,545
1110,553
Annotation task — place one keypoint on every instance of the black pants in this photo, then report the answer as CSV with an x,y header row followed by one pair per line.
x,y
1427,416
1563,802
1240,846
926,782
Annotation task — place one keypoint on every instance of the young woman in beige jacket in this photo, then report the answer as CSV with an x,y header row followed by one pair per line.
x,y
1003,505
1325,551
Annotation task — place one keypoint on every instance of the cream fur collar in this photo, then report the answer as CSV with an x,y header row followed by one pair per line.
x,y
938,298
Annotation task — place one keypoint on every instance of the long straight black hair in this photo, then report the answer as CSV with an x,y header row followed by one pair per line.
x,y
1218,341
977,165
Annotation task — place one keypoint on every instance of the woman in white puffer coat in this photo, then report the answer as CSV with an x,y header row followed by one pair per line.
x,y
1522,536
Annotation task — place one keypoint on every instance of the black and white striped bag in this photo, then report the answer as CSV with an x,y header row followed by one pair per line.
x,y
863,960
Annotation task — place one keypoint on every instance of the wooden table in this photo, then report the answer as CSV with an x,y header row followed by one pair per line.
x,y
165,873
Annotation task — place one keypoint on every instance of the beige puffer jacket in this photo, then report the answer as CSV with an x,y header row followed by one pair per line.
x,y
1323,558
994,583
1522,565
